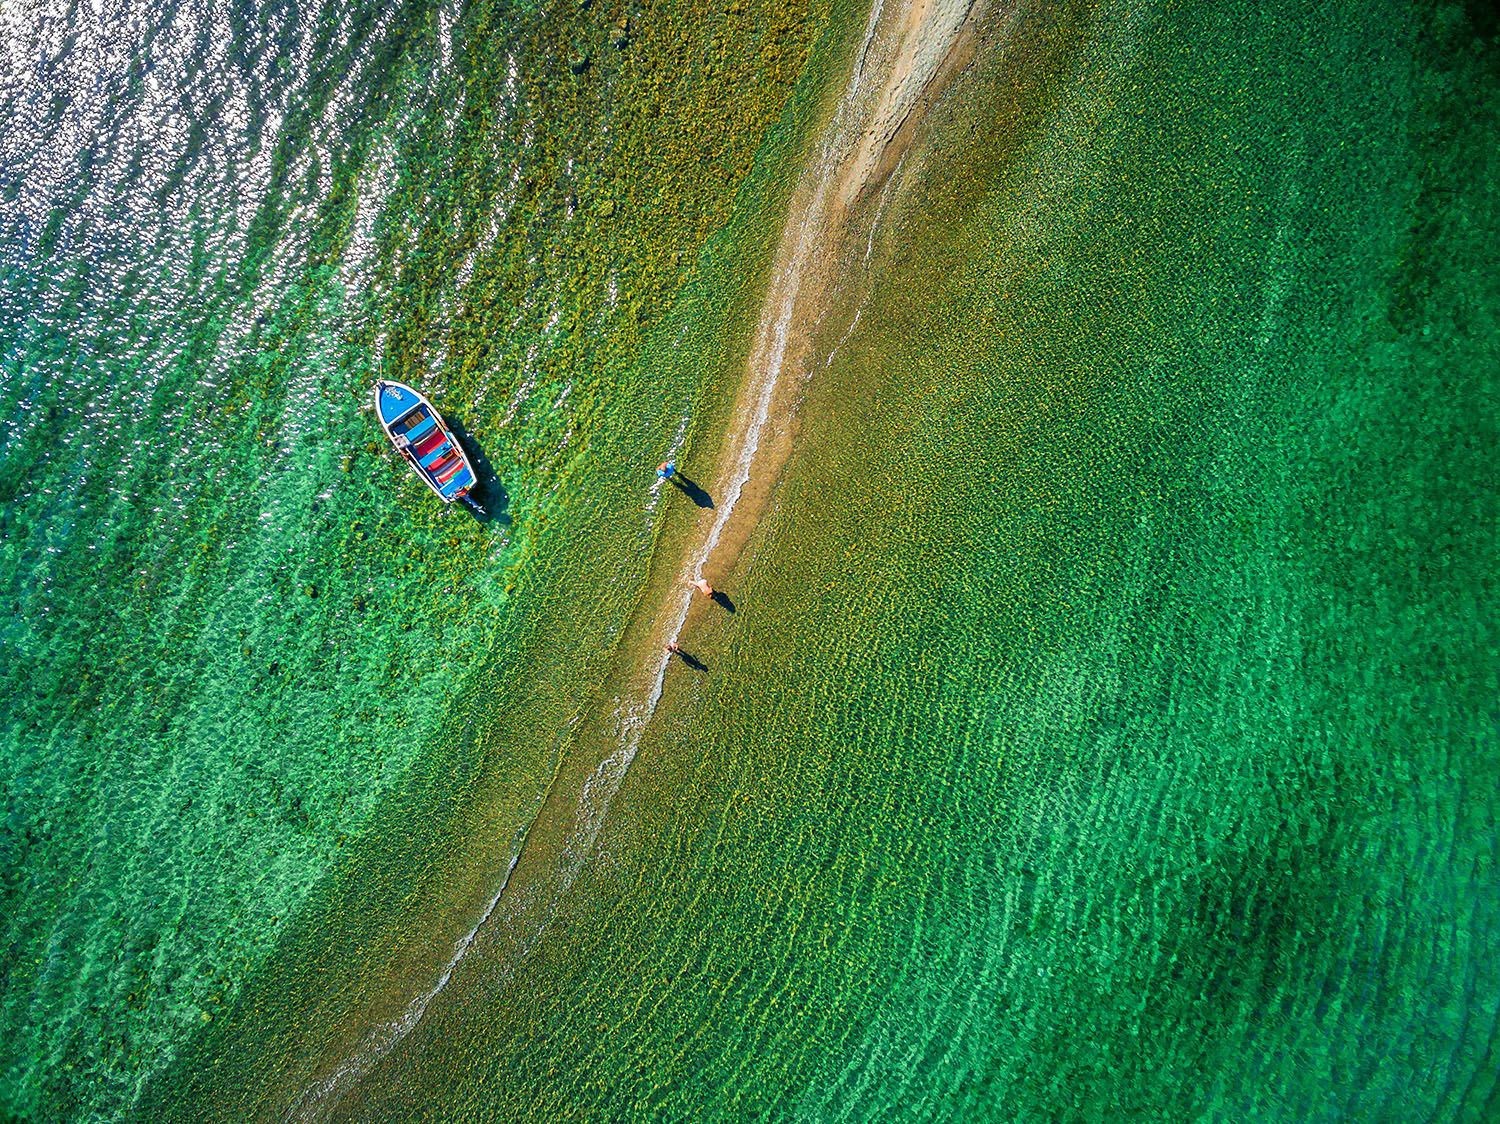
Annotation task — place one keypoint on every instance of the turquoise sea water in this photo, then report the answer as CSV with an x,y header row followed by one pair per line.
x,y
1107,728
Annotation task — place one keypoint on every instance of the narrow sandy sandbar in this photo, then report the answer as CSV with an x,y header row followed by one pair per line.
x,y
907,54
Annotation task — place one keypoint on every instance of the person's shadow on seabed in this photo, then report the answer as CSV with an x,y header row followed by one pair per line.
x,y
685,485
692,661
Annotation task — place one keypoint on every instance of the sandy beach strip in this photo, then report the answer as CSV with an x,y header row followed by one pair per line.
x,y
908,53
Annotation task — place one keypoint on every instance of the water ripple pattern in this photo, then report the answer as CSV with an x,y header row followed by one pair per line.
x,y
1106,725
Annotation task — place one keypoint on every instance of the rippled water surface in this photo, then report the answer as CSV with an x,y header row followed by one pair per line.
x,y
1106,727
238,627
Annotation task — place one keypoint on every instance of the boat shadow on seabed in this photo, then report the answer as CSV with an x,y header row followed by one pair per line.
x,y
493,499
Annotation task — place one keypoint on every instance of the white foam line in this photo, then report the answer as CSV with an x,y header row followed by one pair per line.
x,y
885,196
319,1099
604,783
852,325
856,80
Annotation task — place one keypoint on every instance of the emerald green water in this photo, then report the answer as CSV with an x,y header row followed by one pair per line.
x,y
1107,728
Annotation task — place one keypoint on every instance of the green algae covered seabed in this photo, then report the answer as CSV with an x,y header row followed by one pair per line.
x,y
1106,727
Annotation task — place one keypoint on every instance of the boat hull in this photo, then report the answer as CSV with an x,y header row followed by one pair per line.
x,y
424,441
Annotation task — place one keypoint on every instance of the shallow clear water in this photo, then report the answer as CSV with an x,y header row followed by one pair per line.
x,y
239,626
1107,725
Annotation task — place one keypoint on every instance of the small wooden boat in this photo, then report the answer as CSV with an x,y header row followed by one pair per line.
x,y
421,436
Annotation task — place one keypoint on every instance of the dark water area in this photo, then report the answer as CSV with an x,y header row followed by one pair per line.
x,y
1102,724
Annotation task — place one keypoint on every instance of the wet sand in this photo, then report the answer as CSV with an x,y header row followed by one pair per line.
x,y
906,56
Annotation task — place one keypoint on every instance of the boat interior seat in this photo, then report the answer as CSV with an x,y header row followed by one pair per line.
x,y
417,428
